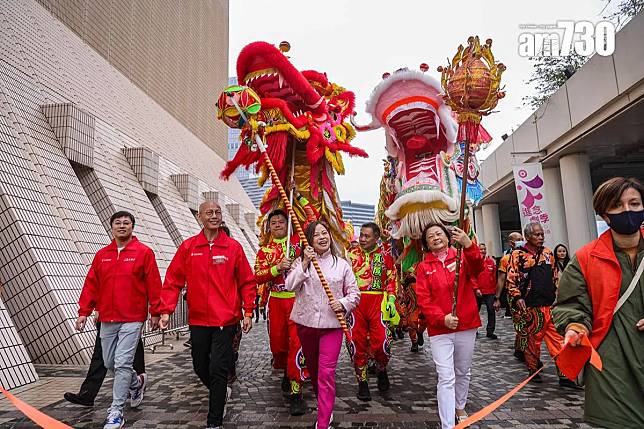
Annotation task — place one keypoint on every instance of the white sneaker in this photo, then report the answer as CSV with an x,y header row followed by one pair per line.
x,y
136,395
462,418
114,420
229,392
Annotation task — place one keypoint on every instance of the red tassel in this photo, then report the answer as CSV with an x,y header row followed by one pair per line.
x,y
276,148
243,157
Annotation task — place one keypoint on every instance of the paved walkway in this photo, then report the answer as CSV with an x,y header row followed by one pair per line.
x,y
175,398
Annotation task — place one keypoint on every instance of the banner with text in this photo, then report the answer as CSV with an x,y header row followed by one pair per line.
x,y
533,207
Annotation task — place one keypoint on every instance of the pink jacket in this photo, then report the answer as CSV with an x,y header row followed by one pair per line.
x,y
311,306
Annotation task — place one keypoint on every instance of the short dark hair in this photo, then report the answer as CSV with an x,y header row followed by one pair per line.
x,y
120,214
423,237
608,193
374,227
278,212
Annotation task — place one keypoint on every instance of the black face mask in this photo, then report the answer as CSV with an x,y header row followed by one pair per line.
x,y
627,222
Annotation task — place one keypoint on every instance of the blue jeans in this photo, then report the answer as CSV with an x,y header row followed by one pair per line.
x,y
119,341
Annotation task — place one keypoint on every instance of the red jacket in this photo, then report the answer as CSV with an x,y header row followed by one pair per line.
x,y
603,276
486,280
218,277
120,286
435,290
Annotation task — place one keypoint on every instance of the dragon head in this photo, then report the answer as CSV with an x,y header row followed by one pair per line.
x,y
421,136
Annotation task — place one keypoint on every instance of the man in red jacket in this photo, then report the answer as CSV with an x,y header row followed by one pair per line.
x,y
220,283
376,276
486,290
271,267
122,282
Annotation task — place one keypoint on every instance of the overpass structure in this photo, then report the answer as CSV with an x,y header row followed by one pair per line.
x,y
590,130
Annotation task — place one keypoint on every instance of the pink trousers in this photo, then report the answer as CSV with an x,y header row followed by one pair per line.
x,y
321,348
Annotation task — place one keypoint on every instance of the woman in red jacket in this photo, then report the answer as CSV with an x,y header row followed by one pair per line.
x,y
451,337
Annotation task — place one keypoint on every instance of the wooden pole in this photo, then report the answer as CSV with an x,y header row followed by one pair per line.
x,y
289,228
461,220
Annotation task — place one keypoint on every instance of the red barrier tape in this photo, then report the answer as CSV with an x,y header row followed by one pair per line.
x,y
38,417
479,415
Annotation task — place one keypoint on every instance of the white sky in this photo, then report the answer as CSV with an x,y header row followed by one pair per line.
x,y
356,41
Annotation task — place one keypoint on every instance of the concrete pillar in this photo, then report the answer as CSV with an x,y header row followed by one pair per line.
x,y
555,201
578,195
478,224
492,229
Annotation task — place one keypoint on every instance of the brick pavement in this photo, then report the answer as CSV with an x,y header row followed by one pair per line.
x,y
176,399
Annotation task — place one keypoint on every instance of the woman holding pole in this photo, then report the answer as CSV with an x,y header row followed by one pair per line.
x,y
315,316
451,333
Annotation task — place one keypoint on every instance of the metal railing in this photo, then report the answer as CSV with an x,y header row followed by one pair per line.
x,y
178,326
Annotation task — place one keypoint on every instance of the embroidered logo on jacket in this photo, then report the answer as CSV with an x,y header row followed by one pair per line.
x,y
219,259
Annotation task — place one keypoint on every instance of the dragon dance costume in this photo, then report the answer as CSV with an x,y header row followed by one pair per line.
x,y
412,320
375,274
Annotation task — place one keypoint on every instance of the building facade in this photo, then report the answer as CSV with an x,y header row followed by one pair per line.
x,y
176,51
358,213
80,139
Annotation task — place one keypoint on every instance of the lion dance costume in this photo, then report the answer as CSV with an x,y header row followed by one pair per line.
x,y
422,172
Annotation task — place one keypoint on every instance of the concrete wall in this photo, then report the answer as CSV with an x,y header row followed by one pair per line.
x,y
174,50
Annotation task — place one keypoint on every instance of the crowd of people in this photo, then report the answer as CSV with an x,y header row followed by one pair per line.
x,y
593,297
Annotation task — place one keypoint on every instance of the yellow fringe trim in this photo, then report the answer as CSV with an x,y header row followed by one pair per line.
x,y
335,159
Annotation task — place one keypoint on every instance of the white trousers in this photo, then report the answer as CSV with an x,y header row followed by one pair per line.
x,y
452,354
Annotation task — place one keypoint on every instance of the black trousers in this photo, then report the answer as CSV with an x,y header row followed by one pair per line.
x,y
488,300
212,359
97,371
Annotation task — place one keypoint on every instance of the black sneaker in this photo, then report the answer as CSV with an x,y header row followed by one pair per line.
x,y
564,383
519,355
383,382
421,340
78,399
363,391
536,379
297,406
414,348
492,336
286,385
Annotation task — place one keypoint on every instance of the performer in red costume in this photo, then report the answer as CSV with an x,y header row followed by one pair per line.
x,y
271,267
376,277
